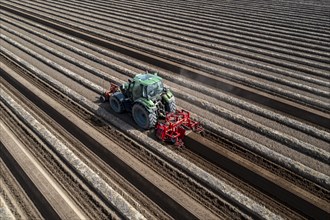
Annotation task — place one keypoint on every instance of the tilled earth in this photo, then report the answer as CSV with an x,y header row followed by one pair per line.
x,y
255,74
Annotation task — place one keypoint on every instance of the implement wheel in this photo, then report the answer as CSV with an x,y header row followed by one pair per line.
x,y
102,99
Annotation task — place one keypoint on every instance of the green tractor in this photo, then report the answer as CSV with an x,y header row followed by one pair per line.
x,y
145,96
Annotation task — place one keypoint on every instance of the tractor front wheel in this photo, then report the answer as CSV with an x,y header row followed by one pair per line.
x,y
143,117
170,106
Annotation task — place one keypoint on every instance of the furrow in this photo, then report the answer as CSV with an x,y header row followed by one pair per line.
x,y
236,66
181,27
191,38
289,141
290,49
273,54
256,76
269,88
178,80
64,175
279,136
164,11
252,12
296,144
244,58
214,127
111,158
304,38
13,195
60,202
114,198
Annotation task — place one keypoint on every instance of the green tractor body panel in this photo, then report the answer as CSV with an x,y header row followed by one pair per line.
x,y
168,96
147,103
146,97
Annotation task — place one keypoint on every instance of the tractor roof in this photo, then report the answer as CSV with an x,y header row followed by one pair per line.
x,y
147,79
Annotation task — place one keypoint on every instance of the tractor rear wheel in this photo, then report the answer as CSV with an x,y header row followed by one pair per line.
x,y
143,117
116,105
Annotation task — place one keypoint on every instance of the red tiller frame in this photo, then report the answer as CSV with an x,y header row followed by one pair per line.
x,y
173,129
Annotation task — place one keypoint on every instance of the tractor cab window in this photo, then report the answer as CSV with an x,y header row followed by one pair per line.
x,y
137,91
153,89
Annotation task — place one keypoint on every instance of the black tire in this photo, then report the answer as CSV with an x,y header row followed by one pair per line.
x,y
116,105
142,117
170,106
102,99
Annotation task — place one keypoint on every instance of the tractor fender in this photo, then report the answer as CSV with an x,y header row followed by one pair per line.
x,y
148,104
168,96
120,96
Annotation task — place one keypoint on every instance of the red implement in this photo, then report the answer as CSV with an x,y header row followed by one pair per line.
x,y
173,129
106,95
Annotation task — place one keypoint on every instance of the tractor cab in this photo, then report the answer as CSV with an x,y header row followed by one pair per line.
x,y
153,90
148,86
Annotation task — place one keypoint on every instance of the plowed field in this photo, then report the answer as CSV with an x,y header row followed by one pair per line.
x,y
256,74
